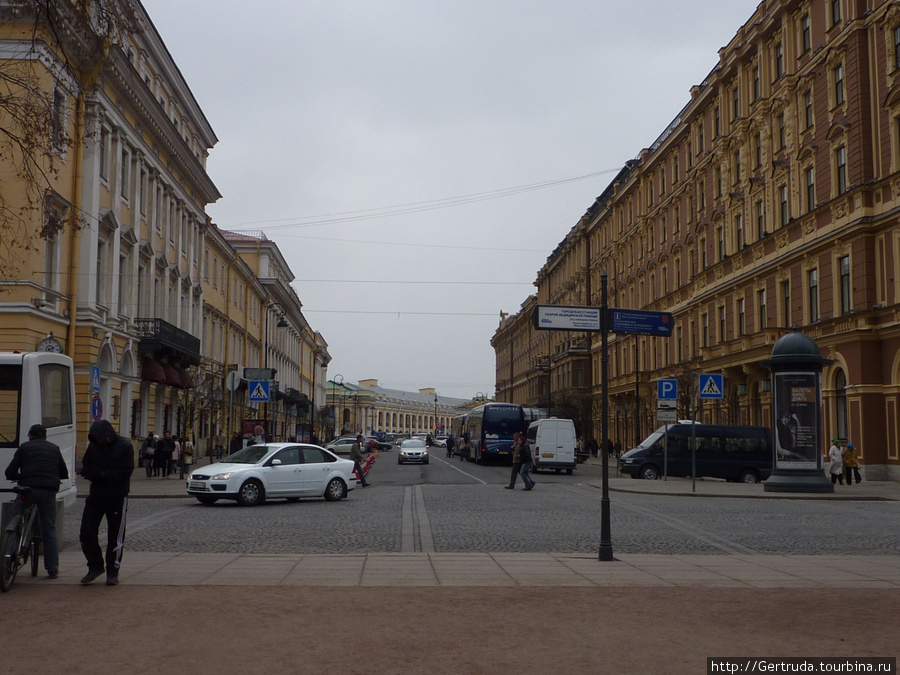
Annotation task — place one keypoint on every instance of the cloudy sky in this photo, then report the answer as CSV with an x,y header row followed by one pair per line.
x,y
416,161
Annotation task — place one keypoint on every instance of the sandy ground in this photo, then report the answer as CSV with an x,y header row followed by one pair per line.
x,y
49,628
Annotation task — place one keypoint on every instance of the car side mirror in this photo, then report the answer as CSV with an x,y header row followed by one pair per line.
x,y
275,462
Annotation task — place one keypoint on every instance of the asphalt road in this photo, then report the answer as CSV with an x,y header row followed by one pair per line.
x,y
453,506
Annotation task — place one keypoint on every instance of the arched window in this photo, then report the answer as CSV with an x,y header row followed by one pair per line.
x,y
840,403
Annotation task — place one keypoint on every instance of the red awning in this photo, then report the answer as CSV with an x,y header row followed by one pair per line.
x,y
173,379
152,370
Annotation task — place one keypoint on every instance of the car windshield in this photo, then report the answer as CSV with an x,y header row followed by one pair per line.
x,y
249,455
413,444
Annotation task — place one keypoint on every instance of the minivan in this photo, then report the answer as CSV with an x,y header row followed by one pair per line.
x,y
552,442
735,453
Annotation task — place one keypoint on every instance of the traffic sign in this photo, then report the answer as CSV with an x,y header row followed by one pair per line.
x,y
560,317
641,321
259,391
96,408
95,378
711,385
667,416
667,390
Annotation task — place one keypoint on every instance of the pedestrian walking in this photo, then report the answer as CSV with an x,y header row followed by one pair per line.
x,y
176,455
517,461
465,448
836,457
187,452
219,446
107,463
164,448
39,465
145,455
357,457
451,444
851,464
525,459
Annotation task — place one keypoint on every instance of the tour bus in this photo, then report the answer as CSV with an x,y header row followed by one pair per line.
x,y
735,453
37,388
491,428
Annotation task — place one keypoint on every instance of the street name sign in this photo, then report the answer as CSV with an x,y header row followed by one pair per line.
x,y
667,416
563,317
641,321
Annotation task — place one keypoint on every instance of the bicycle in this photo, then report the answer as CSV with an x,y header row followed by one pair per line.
x,y
20,540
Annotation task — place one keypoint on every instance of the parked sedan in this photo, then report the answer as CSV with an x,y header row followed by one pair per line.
x,y
440,441
274,471
413,450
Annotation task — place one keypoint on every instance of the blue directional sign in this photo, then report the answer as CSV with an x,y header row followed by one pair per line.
x,y
95,378
711,385
667,390
259,391
641,321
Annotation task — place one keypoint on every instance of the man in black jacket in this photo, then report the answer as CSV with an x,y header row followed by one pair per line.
x,y
39,465
107,463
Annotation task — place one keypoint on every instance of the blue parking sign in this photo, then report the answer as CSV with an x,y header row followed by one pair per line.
x,y
667,390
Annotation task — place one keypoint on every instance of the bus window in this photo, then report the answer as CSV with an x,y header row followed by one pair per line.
x,y
10,386
56,404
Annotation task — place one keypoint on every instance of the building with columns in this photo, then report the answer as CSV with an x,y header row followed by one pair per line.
x,y
367,408
768,204
119,264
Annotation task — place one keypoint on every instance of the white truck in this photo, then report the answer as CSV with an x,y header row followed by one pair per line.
x,y
552,442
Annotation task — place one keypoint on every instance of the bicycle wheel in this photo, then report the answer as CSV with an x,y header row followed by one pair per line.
x,y
9,545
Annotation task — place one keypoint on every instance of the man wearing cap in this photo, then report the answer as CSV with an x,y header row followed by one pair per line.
x,y
39,465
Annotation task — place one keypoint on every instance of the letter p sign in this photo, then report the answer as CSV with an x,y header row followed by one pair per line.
x,y
667,390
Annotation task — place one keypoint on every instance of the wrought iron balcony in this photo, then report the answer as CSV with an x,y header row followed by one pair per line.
x,y
159,336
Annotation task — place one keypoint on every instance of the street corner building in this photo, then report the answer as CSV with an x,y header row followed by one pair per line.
x,y
770,203
107,252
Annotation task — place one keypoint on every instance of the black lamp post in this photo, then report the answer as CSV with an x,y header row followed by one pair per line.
x,y
334,383
282,323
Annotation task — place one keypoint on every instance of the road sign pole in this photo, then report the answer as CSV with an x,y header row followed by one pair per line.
x,y
694,432
606,550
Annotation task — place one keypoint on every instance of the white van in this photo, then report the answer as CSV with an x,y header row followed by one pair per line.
x,y
552,444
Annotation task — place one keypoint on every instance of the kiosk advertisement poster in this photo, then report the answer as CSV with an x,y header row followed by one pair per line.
x,y
796,430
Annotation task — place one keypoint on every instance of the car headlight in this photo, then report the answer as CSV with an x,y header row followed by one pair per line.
x,y
425,452
222,476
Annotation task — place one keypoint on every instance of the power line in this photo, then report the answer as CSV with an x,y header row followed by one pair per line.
x,y
397,313
416,207
412,283
504,249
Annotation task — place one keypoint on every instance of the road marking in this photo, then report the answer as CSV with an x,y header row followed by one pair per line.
x,y
415,527
464,473
687,528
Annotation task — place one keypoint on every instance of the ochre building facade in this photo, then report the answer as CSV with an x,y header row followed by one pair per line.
x,y
769,204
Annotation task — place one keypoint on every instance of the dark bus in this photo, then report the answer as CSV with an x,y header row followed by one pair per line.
x,y
491,428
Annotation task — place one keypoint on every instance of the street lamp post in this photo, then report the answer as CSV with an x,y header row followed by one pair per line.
x,y
334,383
435,414
282,323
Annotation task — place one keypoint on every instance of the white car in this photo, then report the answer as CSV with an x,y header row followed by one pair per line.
x,y
440,441
341,446
413,450
274,471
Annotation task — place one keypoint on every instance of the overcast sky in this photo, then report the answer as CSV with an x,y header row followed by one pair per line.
x,y
416,161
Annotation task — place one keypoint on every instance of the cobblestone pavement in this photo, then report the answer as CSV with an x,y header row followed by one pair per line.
x,y
556,517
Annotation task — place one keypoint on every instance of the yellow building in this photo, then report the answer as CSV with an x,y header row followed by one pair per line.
x,y
768,203
115,262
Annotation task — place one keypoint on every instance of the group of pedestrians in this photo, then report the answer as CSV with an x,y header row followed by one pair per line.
x,y
844,460
161,457
522,461
108,463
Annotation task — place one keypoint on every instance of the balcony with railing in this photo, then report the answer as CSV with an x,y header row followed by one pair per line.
x,y
162,338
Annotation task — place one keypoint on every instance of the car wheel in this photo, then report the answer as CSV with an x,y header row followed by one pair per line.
x,y
206,499
559,471
569,472
748,476
335,490
426,461
251,493
649,472
399,461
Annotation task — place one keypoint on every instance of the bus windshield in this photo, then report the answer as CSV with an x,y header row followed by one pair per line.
x,y
503,420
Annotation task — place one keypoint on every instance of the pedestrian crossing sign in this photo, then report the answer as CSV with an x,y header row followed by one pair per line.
x,y
259,391
711,385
